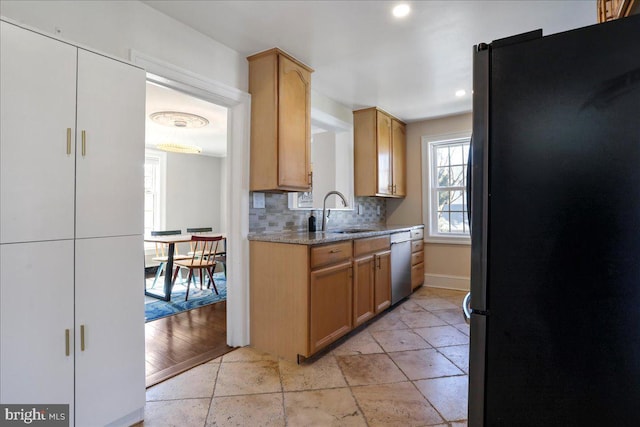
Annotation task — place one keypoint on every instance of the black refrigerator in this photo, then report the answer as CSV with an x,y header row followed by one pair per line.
x,y
555,229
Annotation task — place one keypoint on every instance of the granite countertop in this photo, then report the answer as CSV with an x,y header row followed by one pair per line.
x,y
319,237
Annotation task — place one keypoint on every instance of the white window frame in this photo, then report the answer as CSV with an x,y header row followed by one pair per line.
x,y
160,211
429,202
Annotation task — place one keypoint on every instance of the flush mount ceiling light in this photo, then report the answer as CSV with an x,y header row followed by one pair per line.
x,y
179,148
401,10
460,93
179,119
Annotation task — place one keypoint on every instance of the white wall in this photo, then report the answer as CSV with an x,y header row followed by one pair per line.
x,y
115,27
194,192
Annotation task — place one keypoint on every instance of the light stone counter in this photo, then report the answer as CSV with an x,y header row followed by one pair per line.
x,y
320,237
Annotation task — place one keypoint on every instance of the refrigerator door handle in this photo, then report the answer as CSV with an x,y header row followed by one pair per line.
x,y
469,183
466,308
479,197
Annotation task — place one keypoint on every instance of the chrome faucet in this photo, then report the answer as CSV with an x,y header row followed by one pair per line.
x,y
324,207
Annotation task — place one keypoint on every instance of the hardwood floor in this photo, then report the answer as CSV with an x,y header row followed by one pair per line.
x,y
182,341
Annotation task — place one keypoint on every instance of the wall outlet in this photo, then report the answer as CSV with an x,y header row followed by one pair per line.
x,y
378,209
360,209
258,200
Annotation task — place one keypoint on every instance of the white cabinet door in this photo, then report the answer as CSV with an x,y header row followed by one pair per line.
x,y
111,113
37,115
110,372
36,308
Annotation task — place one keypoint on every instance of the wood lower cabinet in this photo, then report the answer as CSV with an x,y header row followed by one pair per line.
x,y
372,277
382,281
379,154
304,297
417,257
300,297
330,304
280,88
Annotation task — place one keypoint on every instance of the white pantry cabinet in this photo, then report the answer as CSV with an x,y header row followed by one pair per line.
x,y
71,249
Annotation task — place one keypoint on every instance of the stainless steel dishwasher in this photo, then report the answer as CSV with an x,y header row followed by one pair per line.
x,y
400,266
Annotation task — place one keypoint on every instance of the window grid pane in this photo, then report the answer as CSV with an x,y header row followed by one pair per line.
x,y
449,186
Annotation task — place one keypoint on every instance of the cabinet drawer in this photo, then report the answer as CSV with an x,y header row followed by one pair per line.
x,y
329,254
417,245
417,257
417,234
371,244
417,275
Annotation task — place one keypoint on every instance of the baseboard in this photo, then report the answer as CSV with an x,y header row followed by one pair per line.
x,y
133,418
458,283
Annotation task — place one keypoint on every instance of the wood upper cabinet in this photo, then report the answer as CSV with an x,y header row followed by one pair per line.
x,y
379,154
609,10
280,88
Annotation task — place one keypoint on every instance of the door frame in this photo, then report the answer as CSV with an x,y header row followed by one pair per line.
x,y
237,176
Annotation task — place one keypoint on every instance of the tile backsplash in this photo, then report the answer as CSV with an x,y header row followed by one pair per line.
x,y
276,215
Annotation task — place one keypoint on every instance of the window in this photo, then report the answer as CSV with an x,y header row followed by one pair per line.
x,y
446,181
154,206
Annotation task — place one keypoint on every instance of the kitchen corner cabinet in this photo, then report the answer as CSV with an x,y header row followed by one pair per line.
x,y
417,258
280,88
372,278
71,157
379,146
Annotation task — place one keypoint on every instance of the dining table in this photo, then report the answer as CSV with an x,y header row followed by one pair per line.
x,y
171,241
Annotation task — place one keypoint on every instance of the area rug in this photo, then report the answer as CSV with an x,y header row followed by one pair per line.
x,y
158,309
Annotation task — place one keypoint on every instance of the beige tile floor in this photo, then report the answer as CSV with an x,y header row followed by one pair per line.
x,y
408,367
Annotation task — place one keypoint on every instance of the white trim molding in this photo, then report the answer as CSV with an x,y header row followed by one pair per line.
x,y
432,236
237,212
459,283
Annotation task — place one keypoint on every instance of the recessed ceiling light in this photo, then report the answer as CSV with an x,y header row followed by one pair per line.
x,y
461,92
401,10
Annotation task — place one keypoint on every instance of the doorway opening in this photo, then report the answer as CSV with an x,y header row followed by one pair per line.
x,y
185,188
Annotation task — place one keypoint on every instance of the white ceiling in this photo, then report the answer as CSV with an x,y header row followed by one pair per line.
x,y
212,138
364,57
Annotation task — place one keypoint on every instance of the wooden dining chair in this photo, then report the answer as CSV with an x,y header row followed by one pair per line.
x,y
195,230
162,255
207,247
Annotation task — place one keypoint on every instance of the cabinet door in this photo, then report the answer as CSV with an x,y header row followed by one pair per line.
x,y
363,291
294,127
383,281
110,378
37,131
383,124
36,309
330,305
111,114
399,158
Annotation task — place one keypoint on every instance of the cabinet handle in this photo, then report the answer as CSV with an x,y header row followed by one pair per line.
x,y
310,179
335,251
378,262
351,272
84,143
68,141
82,337
66,342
